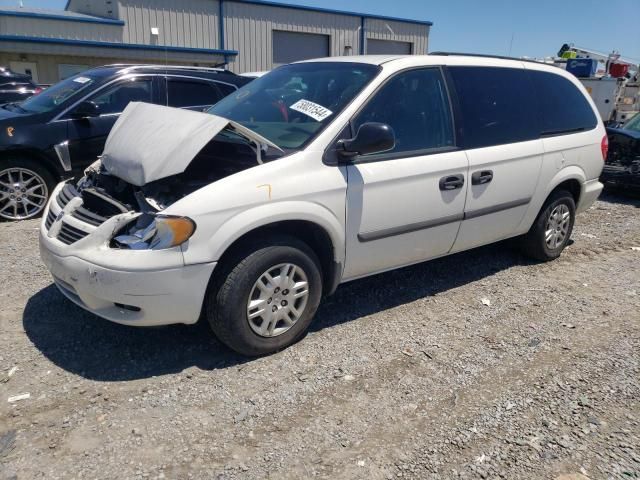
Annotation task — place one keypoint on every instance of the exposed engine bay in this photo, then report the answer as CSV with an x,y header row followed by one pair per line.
x,y
217,160
187,151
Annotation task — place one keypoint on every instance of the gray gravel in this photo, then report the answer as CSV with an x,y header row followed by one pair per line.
x,y
404,375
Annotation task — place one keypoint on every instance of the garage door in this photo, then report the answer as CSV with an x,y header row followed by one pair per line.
x,y
293,46
388,47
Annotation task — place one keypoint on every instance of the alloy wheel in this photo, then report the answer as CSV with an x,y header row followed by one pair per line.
x,y
23,193
277,300
557,226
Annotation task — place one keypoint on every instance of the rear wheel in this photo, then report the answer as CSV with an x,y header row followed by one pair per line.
x,y
552,229
24,189
267,300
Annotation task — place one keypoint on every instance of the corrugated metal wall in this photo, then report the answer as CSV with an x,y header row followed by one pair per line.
x,y
184,23
400,31
248,28
99,8
46,28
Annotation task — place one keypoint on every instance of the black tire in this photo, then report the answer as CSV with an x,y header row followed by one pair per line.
x,y
28,165
533,243
229,290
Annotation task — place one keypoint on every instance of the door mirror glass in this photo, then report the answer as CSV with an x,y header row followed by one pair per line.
x,y
86,109
372,137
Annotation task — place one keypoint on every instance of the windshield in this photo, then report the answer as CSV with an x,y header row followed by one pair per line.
x,y
57,94
293,103
633,124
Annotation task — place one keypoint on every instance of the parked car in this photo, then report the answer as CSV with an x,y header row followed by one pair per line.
x,y
59,132
15,87
622,168
252,213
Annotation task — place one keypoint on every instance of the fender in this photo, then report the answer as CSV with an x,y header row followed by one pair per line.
x,y
572,172
259,216
49,162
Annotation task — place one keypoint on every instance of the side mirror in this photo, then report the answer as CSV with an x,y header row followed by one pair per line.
x,y
371,138
86,109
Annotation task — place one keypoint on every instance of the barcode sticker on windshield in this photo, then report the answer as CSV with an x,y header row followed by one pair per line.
x,y
82,79
313,110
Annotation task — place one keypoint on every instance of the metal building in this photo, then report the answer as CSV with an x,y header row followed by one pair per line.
x,y
245,35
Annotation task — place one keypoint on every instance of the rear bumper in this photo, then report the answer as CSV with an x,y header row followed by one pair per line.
x,y
138,298
591,190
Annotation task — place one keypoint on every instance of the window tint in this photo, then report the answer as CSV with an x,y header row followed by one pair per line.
x,y
415,104
497,105
563,108
116,98
184,93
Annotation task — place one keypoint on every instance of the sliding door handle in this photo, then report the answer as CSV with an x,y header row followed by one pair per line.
x,y
452,182
481,177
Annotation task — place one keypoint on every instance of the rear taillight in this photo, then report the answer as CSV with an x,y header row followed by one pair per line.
x,y
604,146
37,90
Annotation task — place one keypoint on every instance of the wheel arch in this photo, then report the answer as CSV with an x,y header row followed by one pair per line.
x,y
311,223
50,164
571,179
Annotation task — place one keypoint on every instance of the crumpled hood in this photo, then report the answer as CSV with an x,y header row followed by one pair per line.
x,y
150,142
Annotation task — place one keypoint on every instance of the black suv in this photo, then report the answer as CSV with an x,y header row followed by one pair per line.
x,y
15,87
60,131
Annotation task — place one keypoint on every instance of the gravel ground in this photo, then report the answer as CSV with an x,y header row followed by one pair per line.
x,y
478,365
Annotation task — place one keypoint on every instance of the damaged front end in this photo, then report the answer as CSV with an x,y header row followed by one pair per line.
x,y
154,156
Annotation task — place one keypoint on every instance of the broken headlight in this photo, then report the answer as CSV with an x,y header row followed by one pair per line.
x,y
155,233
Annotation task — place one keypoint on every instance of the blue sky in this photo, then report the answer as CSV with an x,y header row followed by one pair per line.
x,y
538,27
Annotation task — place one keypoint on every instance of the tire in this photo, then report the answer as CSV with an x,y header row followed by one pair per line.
x,y
227,304
26,198
535,244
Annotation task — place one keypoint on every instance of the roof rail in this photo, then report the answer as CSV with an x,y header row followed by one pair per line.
x,y
137,66
482,55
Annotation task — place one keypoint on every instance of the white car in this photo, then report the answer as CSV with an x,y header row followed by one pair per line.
x,y
315,174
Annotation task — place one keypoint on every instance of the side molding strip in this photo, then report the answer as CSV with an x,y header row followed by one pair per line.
x,y
414,227
496,208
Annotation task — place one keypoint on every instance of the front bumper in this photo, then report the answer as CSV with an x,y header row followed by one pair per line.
x,y
590,192
140,288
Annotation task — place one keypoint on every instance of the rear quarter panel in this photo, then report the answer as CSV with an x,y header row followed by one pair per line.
x,y
575,156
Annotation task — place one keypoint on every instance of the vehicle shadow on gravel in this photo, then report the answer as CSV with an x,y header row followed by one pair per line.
x,y
612,195
391,289
97,349
86,345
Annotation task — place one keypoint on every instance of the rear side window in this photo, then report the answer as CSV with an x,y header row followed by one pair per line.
x,y
497,105
225,88
185,93
563,108
416,105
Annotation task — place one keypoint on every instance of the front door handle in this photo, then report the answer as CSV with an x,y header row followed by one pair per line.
x,y
481,177
452,182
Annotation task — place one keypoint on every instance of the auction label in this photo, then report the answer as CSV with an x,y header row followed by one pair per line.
x,y
313,110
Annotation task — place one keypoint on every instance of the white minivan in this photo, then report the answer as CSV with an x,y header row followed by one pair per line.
x,y
318,173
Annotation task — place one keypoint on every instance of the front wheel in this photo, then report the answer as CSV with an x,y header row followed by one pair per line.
x,y
24,189
550,232
268,299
